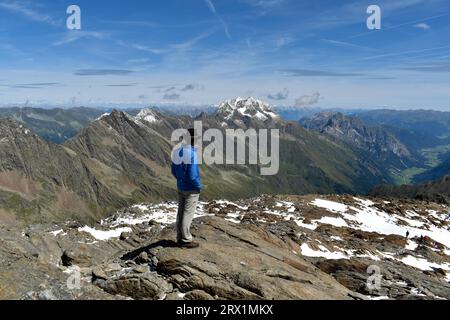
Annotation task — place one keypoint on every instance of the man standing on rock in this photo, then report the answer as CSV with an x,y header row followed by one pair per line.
x,y
185,170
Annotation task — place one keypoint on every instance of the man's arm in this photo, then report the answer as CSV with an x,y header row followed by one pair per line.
x,y
194,174
173,170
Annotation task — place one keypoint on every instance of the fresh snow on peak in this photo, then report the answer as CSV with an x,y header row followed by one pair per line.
x,y
246,107
102,116
147,115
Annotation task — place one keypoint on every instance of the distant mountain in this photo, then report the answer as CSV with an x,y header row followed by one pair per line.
x,y
56,125
426,133
40,180
119,160
244,113
429,122
380,144
437,191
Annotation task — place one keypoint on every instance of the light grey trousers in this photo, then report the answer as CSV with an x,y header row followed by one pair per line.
x,y
187,204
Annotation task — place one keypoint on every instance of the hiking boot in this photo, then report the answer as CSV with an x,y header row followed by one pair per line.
x,y
188,245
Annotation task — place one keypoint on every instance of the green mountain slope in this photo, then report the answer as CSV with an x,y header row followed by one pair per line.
x,y
119,160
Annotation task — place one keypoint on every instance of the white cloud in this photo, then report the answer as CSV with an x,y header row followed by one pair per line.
x,y
345,44
423,26
307,100
264,3
211,6
191,42
25,10
73,36
213,10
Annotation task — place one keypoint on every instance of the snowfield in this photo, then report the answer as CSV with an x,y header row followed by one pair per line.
x,y
354,214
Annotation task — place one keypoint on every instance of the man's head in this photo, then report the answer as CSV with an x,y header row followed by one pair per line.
x,y
192,135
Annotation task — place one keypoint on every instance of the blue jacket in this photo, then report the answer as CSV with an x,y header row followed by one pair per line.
x,y
186,172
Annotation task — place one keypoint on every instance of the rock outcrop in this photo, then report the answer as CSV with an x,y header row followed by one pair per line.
x,y
270,247
240,262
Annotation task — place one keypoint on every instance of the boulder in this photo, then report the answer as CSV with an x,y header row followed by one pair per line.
x,y
147,285
241,262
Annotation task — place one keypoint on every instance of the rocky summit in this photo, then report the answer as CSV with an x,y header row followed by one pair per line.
x,y
269,247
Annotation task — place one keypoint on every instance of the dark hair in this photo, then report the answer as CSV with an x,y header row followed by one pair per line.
x,y
192,134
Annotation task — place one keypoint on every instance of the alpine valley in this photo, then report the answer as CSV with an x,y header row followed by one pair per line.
x,y
89,193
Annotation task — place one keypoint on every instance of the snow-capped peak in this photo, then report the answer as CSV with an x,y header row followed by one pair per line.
x,y
247,107
103,116
147,115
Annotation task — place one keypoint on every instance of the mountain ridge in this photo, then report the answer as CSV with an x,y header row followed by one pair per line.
x,y
121,159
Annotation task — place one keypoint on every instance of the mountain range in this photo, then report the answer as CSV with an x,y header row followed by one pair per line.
x,y
56,125
96,206
404,141
119,159
84,163
380,144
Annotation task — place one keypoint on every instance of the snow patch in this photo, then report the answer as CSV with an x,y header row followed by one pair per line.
x,y
57,232
103,116
323,253
330,205
147,115
104,235
423,264
337,222
411,245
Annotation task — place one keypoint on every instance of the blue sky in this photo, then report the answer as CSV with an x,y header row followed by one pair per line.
x,y
196,52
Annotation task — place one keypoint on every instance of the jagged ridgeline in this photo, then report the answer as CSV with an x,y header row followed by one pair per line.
x,y
119,159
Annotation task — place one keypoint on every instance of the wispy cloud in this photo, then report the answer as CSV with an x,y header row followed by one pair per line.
x,y
122,85
345,44
38,85
191,42
192,87
103,72
11,48
171,96
307,100
263,6
186,45
76,35
282,95
422,26
147,49
212,8
437,68
379,78
25,9
135,23
264,3
138,61
401,53
318,73
162,86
